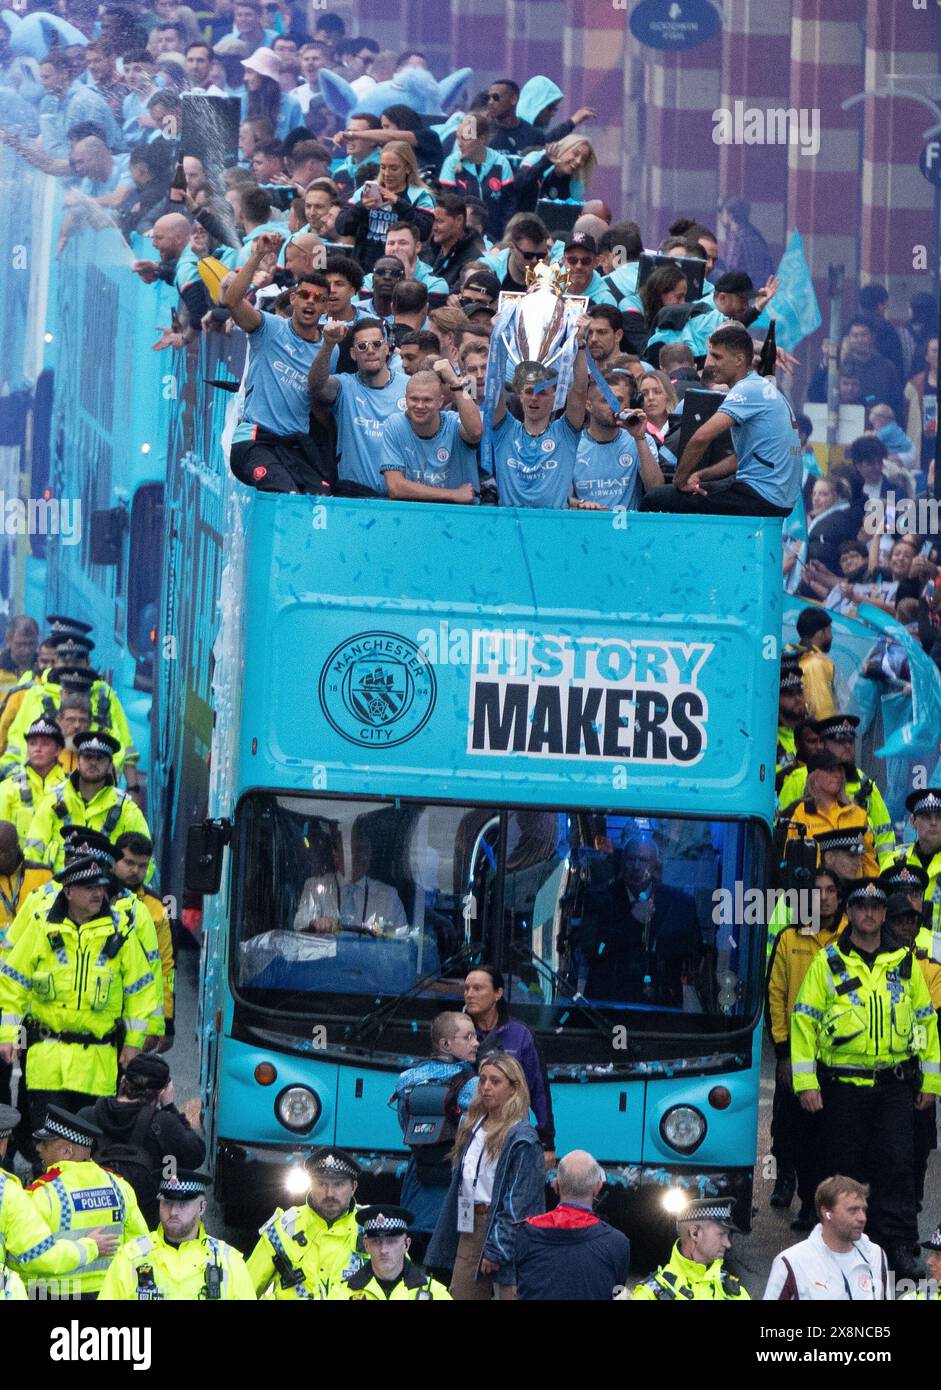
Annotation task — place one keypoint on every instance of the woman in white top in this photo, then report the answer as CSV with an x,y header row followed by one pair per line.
x,y
498,1179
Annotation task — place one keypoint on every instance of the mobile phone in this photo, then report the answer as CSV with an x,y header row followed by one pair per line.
x,y
371,188
929,590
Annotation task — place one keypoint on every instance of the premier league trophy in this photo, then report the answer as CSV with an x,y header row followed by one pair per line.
x,y
542,320
533,338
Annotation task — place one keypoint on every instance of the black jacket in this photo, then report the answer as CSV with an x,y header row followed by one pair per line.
x,y
450,264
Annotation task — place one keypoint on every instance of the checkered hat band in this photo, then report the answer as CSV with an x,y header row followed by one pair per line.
x,y
934,1240
790,680
80,875
387,1225
869,892
844,730
175,1186
930,802
337,1166
854,843
62,1130
43,727
718,1212
902,875
96,747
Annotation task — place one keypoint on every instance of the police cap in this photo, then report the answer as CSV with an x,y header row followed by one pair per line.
x,y
184,1185
330,1162
867,890
97,743
718,1209
84,872
791,677
71,646
851,839
45,728
840,727
923,802
9,1119
904,878
81,842
62,1124
77,679
62,626
384,1220
933,1242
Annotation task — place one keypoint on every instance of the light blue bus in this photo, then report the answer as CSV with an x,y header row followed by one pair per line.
x,y
494,725
497,723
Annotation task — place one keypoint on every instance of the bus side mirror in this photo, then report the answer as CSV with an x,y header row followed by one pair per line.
x,y
107,536
205,842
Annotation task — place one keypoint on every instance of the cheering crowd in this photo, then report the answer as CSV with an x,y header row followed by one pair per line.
x,y
361,241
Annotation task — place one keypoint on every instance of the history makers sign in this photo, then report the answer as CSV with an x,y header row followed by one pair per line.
x,y
555,696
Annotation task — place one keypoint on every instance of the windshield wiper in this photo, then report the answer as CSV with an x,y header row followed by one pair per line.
x,y
595,1017
381,1017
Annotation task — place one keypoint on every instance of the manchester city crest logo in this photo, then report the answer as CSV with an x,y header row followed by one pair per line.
x,y
377,689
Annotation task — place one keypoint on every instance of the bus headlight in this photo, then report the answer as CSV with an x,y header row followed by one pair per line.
x,y
297,1108
683,1128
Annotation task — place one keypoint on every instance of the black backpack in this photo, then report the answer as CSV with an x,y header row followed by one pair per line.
x,y
432,1119
130,1160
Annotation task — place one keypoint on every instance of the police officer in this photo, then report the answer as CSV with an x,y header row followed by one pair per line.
x,y
864,1045
903,921
924,807
179,1260
13,699
24,787
912,880
791,712
304,1250
388,1274
132,857
80,841
695,1269
88,798
73,1194
73,649
82,988
838,735
25,1239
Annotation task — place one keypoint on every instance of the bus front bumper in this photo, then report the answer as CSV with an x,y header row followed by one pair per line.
x,y
258,1177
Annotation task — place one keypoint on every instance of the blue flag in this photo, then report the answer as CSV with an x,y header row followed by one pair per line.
x,y
918,735
794,308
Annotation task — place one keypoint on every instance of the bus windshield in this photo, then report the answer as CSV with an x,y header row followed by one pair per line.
x,y
341,902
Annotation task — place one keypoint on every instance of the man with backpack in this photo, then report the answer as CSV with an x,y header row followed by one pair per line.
x,y
432,1097
141,1129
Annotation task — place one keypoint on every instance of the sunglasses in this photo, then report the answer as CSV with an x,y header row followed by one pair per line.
x,y
528,255
389,274
373,346
579,260
311,295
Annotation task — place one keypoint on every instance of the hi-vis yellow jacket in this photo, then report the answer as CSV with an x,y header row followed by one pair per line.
x,y
861,1019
